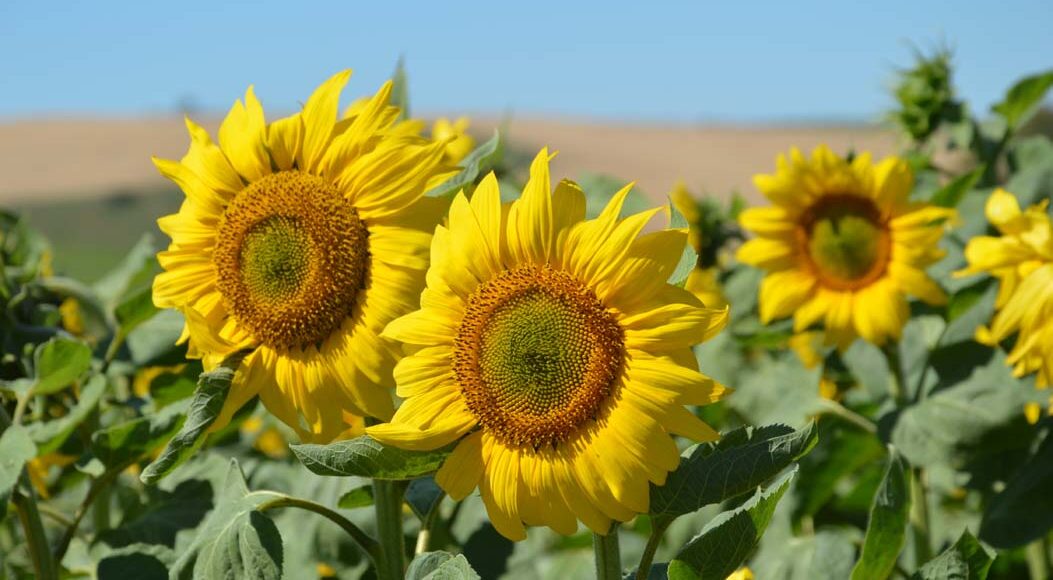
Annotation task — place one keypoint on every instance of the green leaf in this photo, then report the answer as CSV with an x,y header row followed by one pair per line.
x,y
869,367
777,389
124,443
154,342
357,498
136,271
844,453
235,540
16,448
422,495
1023,98
96,320
50,435
1023,511
887,527
967,309
164,514
688,258
742,460
600,188
965,560
135,309
949,195
400,89
58,363
477,163
980,416
211,393
440,566
730,537
366,457
138,561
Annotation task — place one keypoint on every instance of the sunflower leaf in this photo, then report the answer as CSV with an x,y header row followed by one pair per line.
x,y
400,89
440,565
965,559
366,457
236,540
59,362
50,435
16,448
126,442
1023,511
688,258
738,463
730,537
949,195
478,162
887,526
1023,98
211,393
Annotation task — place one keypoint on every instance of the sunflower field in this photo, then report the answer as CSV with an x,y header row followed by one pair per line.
x,y
374,348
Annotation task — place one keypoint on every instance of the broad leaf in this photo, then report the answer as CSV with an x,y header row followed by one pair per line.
x,y
16,448
1023,98
477,163
212,388
742,460
126,442
949,195
1023,511
366,457
966,559
887,526
163,515
357,498
50,435
235,540
730,538
59,362
139,561
440,566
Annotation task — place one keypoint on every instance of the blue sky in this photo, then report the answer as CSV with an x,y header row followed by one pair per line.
x,y
678,61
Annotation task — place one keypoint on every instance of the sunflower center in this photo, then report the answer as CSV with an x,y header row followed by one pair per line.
x,y
291,257
536,355
847,241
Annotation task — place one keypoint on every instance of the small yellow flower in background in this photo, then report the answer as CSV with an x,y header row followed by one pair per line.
x,y
1021,259
72,319
553,350
828,389
704,283
843,245
458,142
145,377
741,574
301,239
325,570
685,203
808,345
38,469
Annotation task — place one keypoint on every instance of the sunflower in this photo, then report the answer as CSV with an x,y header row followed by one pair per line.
x,y
843,245
554,353
301,239
1021,259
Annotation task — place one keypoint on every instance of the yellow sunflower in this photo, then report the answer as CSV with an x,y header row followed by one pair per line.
x,y
554,351
1021,259
843,245
301,239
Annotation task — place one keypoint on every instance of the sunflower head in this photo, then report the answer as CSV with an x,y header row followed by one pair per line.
x,y
1021,259
300,239
843,245
554,352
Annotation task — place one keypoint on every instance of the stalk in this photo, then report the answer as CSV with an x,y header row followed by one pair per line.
x,y
387,499
658,527
608,556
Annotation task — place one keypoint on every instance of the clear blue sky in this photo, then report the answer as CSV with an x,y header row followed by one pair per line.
x,y
678,61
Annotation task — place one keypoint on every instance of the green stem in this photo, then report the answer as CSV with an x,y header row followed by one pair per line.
x,y
898,385
368,544
608,556
26,503
424,536
97,487
658,527
838,410
919,517
387,499
1038,559
112,350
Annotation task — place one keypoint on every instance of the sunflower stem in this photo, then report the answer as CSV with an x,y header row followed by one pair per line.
x,y
658,527
1039,563
608,556
387,499
26,504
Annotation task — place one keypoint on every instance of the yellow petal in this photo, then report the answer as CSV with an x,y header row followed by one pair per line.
x,y
460,473
242,136
319,119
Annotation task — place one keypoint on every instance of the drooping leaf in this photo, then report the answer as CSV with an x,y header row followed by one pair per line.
x,y
50,435
126,442
730,538
211,393
887,526
965,560
1023,98
742,460
16,448
235,540
440,566
484,158
366,457
59,362
1023,511
688,258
